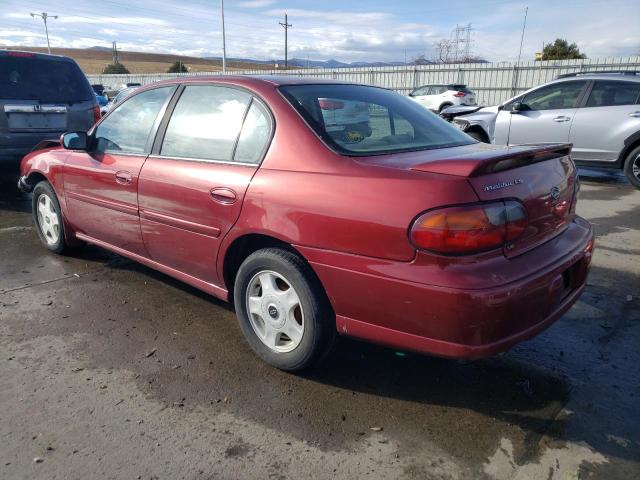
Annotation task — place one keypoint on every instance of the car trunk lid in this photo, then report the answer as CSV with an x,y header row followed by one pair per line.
x,y
541,177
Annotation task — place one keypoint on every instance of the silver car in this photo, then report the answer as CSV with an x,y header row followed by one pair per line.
x,y
599,113
41,97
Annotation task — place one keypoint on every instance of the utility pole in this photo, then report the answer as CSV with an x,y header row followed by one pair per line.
x,y
224,40
524,25
114,52
44,16
286,25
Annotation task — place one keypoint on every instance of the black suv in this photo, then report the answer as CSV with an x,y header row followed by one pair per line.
x,y
41,97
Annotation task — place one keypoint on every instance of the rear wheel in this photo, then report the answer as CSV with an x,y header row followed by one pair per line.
x,y
282,309
632,167
47,217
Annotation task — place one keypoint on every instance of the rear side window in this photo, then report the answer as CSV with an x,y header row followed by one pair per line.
x,y
128,128
205,123
255,135
362,120
460,88
49,81
555,96
612,93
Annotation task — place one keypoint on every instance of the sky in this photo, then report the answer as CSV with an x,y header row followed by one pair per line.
x,y
347,30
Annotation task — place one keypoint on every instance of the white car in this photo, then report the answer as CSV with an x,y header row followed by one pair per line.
x,y
439,97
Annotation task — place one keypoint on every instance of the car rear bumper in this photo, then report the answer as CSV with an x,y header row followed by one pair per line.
x,y
458,322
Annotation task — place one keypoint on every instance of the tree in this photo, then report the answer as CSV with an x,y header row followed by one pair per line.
x,y
178,67
561,50
115,68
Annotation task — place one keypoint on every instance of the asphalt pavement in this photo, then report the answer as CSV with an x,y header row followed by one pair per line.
x,y
111,370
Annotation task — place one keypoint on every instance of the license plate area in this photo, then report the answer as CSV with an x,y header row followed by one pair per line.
x,y
36,117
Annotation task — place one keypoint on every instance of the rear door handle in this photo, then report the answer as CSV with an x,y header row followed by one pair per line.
x,y
635,114
223,195
123,177
561,119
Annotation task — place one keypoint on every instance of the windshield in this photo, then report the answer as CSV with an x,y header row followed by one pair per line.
x,y
48,81
361,120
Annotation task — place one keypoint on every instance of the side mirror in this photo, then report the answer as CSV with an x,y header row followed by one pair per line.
x,y
75,140
518,107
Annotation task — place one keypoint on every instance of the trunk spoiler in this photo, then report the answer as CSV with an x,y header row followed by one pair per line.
x,y
492,161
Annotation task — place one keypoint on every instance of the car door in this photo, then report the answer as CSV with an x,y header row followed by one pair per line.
x,y
192,187
613,103
101,184
546,115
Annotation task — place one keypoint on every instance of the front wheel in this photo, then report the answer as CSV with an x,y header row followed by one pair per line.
x,y
632,167
47,217
282,309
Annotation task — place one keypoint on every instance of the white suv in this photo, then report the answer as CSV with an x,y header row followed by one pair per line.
x,y
439,97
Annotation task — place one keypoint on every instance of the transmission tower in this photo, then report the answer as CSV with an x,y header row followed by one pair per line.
x,y
461,43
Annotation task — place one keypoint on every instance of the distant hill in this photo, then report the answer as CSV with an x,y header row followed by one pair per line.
x,y
304,63
93,60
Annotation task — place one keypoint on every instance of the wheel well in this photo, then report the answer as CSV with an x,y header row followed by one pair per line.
x,y
36,177
445,105
627,150
479,130
244,246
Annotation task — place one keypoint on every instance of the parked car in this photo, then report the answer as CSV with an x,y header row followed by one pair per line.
x,y
98,88
416,237
41,97
599,113
439,97
102,100
121,95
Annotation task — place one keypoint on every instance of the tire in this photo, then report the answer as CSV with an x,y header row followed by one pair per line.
x,y
47,217
288,336
477,136
632,167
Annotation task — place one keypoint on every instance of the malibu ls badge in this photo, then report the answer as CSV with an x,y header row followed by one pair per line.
x,y
501,185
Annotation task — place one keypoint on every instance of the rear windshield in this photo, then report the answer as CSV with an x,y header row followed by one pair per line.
x,y
460,88
49,81
361,120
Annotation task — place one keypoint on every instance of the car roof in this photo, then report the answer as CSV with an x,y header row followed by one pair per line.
x,y
248,80
626,76
27,54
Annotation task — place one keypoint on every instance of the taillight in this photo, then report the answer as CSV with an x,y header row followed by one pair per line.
x,y
330,104
96,113
459,94
21,54
469,228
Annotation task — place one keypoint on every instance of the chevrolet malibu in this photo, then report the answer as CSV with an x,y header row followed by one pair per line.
x,y
414,236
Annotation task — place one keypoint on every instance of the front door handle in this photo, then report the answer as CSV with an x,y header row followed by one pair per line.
x,y
223,195
123,177
635,114
561,119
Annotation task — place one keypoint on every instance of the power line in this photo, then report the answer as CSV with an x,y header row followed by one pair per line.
x,y
44,16
286,25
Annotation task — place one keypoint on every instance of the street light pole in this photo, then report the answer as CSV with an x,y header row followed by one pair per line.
x,y
224,41
524,25
44,16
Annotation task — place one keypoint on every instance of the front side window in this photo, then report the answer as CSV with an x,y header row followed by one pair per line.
x,y
554,97
418,92
362,120
611,93
128,127
206,123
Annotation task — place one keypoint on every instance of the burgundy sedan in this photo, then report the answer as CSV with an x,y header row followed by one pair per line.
x,y
320,208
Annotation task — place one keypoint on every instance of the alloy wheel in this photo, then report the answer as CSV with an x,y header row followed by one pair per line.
x,y
48,219
275,311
